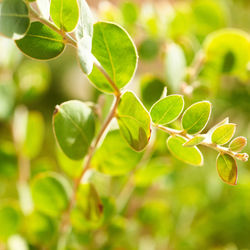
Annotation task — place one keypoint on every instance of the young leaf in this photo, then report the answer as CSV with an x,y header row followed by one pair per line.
x,y
196,117
74,128
116,52
175,66
189,155
14,19
227,168
115,160
65,14
50,194
223,122
167,109
41,42
196,140
134,121
238,144
223,134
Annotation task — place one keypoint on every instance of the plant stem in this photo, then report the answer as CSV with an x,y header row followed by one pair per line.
x,y
220,149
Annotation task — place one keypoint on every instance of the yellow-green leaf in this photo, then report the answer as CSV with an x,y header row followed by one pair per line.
x,y
196,140
223,134
238,144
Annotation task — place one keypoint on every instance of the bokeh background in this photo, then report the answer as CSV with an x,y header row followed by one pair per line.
x,y
162,203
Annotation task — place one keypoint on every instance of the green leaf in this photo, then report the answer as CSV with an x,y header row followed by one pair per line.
x,y
65,14
167,109
115,157
175,66
227,168
227,51
41,42
14,19
74,128
149,49
238,144
223,134
9,220
34,135
196,140
134,121
50,194
189,155
116,52
130,12
44,7
88,212
196,117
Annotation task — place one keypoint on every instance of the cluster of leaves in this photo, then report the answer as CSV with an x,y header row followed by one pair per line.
x,y
108,56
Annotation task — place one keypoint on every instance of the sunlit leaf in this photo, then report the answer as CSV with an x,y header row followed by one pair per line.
x,y
167,110
175,66
74,127
238,144
227,168
50,194
116,52
223,134
196,117
196,140
189,155
14,19
41,42
115,157
134,121
65,14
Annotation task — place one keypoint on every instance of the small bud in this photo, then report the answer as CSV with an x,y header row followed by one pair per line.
x,y
242,156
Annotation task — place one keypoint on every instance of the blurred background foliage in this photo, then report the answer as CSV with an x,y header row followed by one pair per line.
x,y
151,201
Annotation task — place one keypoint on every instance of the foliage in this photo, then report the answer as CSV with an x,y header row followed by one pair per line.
x,y
118,146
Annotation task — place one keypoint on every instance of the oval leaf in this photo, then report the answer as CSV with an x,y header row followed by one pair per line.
x,y
167,109
195,141
115,160
116,52
189,155
49,194
238,144
134,121
65,14
14,19
223,134
74,128
196,117
227,168
41,42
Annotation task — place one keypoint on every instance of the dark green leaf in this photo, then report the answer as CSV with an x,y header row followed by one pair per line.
x,y
227,168
74,127
41,42
134,121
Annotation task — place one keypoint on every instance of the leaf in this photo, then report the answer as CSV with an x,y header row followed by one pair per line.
x,y
41,42
85,24
130,12
9,220
74,128
34,135
115,157
14,19
50,194
116,52
175,66
134,121
223,134
227,168
238,144
196,140
167,110
196,117
223,122
189,155
65,14
149,49
44,7
88,212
